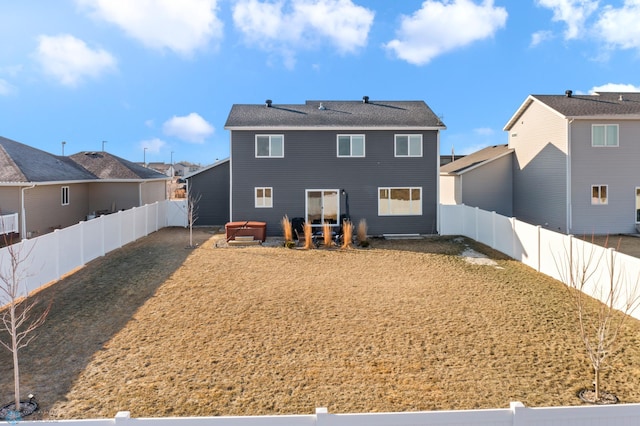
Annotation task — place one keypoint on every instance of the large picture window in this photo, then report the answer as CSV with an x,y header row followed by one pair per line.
x,y
599,194
65,195
270,146
350,145
604,135
408,146
400,201
264,197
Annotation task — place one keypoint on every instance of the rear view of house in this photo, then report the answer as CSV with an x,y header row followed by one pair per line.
x,y
323,161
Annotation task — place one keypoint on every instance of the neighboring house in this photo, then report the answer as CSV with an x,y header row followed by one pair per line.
x,y
482,179
325,160
210,187
50,191
576,162
184,168
164,168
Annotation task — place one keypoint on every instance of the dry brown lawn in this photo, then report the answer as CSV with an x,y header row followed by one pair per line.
x,y
160,330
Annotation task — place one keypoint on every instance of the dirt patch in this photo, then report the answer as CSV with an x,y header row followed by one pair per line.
x,y
627,244
160,330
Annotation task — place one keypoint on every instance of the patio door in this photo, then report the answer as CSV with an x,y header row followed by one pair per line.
x,y
638,205
322,206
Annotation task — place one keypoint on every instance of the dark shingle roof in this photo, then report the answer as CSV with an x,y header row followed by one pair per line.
x,y
468,161
599,104
107,166
335,114
22,163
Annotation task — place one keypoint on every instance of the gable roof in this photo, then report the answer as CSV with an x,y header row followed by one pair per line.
x,y
209,167
600,105
478,158
334,114
22,163
108,166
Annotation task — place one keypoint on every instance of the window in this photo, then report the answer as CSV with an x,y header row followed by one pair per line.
x,y
65,195
599,194
270,146
350,145
604,135
400,201
264,197
408,146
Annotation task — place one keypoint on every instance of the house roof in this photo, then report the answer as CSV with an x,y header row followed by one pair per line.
x,y
478,158
602,105
22,163
209,167
334,114
108,166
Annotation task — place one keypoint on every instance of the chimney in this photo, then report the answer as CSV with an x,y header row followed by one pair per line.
x,y
365,99
568,93
268,103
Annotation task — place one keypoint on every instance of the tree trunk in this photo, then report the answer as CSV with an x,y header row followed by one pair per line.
x,y
16,371
597,384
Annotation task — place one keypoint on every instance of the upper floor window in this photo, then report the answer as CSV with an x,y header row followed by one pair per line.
x,y
65,195
604,135
408,146
270,146
264,197
400,201
350,145
599,194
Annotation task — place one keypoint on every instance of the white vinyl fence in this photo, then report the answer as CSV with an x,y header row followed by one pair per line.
x,y
554,254
8,223
50,256
516,415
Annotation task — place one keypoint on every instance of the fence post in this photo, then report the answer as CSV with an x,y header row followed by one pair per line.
x,y
322,416
539,248
475,231
122,417
517,408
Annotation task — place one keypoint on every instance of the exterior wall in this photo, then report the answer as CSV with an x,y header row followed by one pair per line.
x,y
310,162
490,187
449,191
540,168
10,199
107,196
153,191
212,186
616,167
45,212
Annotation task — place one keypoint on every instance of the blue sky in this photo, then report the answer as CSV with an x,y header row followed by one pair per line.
x,y
163,74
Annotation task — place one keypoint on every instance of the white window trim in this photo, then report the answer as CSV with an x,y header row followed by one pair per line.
x,y
408,135
389,188
264,204
599,203
270,147
64,194
364,146
637,206
605,135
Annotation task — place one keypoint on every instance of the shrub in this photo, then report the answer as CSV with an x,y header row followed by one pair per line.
x,y
326,235
347,234
308,236
362,233
286,229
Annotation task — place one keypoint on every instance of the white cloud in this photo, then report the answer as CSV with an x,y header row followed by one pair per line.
x,y
190,128
70,60
573,13
286,25
619,27
484,131
615,87
181,26
6,88
153,146
539,37
441,26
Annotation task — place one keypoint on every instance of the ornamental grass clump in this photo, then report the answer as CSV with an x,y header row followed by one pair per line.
x,y
308,236
347,234
326,235
288,232
361,236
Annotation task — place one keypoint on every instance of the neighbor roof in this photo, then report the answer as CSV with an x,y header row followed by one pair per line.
x,y
108,166
470,161
334,114
22,163
601,105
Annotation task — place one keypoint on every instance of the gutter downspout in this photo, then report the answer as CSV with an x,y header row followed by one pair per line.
x,y
140,193
23,213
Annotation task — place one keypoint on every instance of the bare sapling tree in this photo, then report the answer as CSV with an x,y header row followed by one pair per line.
x,y
193,201
588,270
19,315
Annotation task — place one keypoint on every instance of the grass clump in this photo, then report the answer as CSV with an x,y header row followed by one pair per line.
x,y
361,236
287,231
327,234
347,234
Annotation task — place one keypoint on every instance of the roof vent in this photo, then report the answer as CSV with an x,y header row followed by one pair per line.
x,y
268,103
621,98
322,107
568,93
365,99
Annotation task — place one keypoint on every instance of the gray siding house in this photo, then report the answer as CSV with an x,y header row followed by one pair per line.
x,y
211,187
575,162
326,160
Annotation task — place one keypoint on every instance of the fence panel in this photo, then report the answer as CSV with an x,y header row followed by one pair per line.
x,y
527,244
9,223
503,417
485,227
177,213
92,238
505,238
554,254
43,258
451,217
112,231
127,226
140,222
70,248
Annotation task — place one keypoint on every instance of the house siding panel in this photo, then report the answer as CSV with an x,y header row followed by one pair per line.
x,y
45,211
310,162
152,192
113,196
616,167
211,187
540,167
490,187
